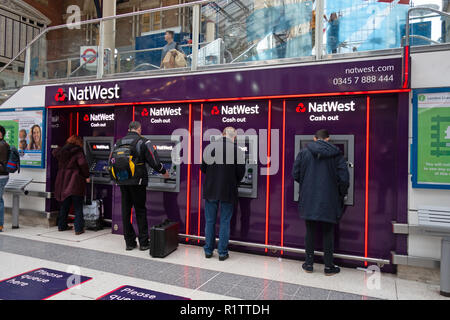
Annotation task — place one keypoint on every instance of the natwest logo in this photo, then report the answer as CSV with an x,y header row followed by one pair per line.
x,y
165,111
101,117
161,112
88,93
235,110
300,108
331,106
60,95
215,111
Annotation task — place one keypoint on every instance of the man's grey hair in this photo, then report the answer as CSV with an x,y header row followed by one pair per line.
x,y
230,133
134,125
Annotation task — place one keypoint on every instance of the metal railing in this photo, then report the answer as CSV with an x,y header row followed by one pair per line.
x,y
196,5
407,31
378,261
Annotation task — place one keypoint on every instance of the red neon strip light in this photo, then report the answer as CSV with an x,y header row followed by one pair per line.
x,y
71,125
188,202
366,206
268,174
134,110
200,172
237,98
406,73
78,123
282,173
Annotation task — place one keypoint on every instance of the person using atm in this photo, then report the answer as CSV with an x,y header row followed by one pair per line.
x,y
322,173
127,166
70,184
224,167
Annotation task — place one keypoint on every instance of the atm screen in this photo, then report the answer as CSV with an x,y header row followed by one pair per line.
x,y
100,165
99,146
163,147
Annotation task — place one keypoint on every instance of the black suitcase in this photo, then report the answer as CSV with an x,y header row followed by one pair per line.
x,y
164,239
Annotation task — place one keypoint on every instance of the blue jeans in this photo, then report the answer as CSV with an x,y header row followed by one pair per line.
x,y
3,183
226,212
64,212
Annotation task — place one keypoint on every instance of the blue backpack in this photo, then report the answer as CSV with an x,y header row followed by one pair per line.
x,y
13,163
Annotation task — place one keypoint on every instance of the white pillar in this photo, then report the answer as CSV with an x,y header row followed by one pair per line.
x,y
210,28
108,10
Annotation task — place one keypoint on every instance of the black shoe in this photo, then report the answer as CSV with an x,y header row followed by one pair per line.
x,y
66,228
308,267
331,271
223,258
143,248
208,255
129,248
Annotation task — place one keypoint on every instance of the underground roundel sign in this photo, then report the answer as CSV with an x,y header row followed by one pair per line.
x,y
89,54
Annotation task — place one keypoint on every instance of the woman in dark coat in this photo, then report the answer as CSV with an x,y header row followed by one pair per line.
x,y
70,185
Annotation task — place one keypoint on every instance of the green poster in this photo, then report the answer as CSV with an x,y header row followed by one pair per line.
x,y
25,130
433,138
12,131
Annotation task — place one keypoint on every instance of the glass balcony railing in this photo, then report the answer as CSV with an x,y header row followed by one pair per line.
x,y
129,48
224,33
65,53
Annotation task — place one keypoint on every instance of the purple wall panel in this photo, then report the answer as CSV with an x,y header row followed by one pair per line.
x,y
388,148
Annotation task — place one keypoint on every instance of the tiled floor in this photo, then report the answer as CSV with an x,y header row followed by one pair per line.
x,y
186,272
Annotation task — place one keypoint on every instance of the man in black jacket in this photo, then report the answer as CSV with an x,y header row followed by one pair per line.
x,y
322,173
134,190
224,166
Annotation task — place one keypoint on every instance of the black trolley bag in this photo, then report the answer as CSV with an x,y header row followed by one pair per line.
x,y
164,239
93,212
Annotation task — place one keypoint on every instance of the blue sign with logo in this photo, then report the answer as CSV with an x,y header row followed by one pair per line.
x,y
134,293
38,284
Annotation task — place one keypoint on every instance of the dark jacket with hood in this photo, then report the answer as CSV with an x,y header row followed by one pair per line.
x,y
322,173
73,171
222,176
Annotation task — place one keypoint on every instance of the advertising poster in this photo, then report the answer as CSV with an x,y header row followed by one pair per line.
x,y
431,147
25,130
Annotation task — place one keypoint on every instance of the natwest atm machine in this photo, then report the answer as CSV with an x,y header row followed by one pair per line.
x,y
97,150
166,148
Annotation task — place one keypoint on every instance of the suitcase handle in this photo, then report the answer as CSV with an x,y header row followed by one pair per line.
x,y
92,188
92,191
164,223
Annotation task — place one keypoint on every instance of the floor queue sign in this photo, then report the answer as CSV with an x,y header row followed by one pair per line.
x,y
134,293
39,284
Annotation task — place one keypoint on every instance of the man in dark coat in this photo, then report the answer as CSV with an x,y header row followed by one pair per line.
x,y
134,190
224,166
70,184
322,173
